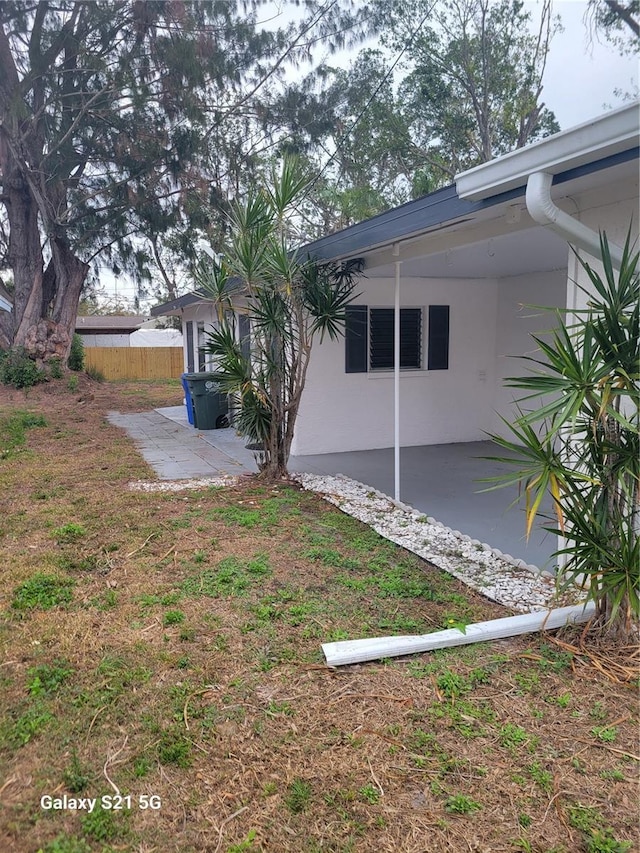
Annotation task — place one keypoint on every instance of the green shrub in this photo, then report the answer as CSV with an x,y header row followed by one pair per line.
x,y
76,354
19,370
55,368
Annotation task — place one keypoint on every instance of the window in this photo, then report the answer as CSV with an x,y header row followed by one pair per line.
x,y
381,343
369,333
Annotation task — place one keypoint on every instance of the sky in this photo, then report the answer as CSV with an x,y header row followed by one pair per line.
x,y
582,72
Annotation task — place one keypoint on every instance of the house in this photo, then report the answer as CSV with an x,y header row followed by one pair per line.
x,y
459,267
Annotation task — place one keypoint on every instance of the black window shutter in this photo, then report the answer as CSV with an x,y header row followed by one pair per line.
x,y
190,353
355,336
438,350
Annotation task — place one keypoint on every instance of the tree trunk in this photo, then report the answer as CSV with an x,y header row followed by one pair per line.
x,y
621,629
47,333
45,301
25,251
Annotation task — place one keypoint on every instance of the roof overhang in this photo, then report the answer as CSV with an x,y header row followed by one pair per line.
x,y
596,140
108,324
176,306
575,157
233,288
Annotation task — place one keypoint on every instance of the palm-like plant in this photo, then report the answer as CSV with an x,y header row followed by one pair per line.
x,y
290,301
576,436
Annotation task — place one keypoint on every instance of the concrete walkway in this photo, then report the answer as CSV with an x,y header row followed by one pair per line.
x,y
439,480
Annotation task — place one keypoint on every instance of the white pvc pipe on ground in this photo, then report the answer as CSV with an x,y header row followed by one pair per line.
x,y
358,651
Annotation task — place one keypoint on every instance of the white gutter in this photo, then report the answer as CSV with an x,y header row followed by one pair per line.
x,y
358,651
545,212
609,134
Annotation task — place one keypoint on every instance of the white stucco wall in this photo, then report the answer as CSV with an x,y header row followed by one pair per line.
x,y
354,411
516,323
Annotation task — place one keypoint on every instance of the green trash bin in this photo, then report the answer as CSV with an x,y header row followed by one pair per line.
x,y
210,405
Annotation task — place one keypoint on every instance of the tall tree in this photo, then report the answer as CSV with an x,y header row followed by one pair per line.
x,y
105,110
458,83
475,81
348,125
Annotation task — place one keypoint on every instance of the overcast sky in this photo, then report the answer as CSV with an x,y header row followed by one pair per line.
x,y
582,73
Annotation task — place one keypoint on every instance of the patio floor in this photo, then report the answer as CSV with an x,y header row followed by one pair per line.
x,y
440,480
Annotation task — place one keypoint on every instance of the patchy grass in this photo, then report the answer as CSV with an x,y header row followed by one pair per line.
x,y
13,430
168,645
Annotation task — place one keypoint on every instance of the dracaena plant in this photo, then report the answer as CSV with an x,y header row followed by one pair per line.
x,y
576,437
290,301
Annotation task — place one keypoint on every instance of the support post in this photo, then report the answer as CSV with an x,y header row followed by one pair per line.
x,y
396,379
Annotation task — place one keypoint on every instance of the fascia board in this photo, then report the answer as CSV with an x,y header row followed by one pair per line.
x,y
615,131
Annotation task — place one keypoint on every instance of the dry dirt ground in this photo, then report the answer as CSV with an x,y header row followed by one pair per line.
x,y
161,659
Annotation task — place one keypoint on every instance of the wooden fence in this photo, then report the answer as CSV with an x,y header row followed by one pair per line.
x,y
135,362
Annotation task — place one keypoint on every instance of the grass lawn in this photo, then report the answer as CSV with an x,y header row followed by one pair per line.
x,y
161,671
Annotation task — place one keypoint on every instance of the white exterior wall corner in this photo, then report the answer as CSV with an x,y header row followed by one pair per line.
x,y
342,412
614,212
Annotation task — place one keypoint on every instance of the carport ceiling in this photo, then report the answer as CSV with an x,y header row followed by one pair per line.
x,y
531,250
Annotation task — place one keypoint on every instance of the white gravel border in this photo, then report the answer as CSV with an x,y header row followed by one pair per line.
x,y
501,578
181,485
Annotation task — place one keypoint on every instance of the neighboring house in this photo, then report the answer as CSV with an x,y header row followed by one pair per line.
x,y
98,330
460,267
125,331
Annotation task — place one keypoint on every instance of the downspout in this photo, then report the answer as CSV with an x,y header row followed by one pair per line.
x,y
545,212
358,651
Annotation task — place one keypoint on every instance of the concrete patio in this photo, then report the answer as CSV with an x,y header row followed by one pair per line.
x,y
440,480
